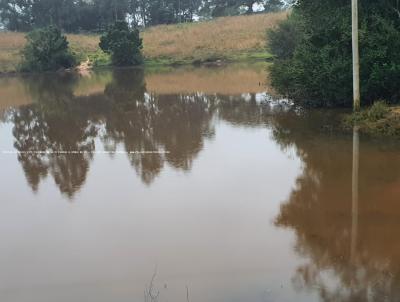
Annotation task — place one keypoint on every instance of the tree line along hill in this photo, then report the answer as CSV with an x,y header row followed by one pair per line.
x,y
95,15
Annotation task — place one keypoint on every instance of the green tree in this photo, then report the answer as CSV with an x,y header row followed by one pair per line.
x,y
16,14
274,5
316,68
161,12
109,11
60,13
123,44
46,50
216,8
97,15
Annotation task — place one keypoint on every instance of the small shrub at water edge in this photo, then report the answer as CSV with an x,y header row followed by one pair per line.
x,y
123,44
46,50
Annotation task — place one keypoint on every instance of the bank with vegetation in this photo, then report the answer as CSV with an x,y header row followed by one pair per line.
x,y
224,39
312,65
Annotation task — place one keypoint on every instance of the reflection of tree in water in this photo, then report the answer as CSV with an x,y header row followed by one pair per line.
x,y
127,121
53,125
123,116
241,109
183,122
319,210
145,122
176,123
3,116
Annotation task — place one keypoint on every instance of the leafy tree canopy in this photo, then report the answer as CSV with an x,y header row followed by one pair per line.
x,y
123,44
314,52
46,50
97,15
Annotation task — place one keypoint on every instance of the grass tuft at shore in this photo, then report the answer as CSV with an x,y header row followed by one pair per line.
x,y
230,39
377,120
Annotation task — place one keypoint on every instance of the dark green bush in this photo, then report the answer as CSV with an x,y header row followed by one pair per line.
x,y
123,44
46,50
282,40
313,53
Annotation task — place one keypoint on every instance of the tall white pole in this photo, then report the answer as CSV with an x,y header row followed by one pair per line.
x,y
356,56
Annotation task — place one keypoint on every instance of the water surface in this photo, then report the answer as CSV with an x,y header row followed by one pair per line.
x,y
189,185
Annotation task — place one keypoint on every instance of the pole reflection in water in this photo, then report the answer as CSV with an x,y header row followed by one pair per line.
x,y
354,212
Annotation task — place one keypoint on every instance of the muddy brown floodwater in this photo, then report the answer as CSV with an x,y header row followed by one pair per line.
x,y
189,185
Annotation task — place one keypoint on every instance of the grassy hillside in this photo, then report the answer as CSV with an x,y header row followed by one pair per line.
x,y
227,38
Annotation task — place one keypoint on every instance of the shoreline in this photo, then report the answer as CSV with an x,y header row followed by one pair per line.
x,y
159,63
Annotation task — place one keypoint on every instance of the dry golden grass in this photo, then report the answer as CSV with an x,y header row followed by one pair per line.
x,y
220,37
15,41
11,41
217,37
88,43
11,44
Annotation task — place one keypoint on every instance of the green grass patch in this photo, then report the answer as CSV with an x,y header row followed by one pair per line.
x,y
99,59
259,57
251,56
162,61
378,120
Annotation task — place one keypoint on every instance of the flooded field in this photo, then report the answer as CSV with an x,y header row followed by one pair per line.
x,y
189,185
